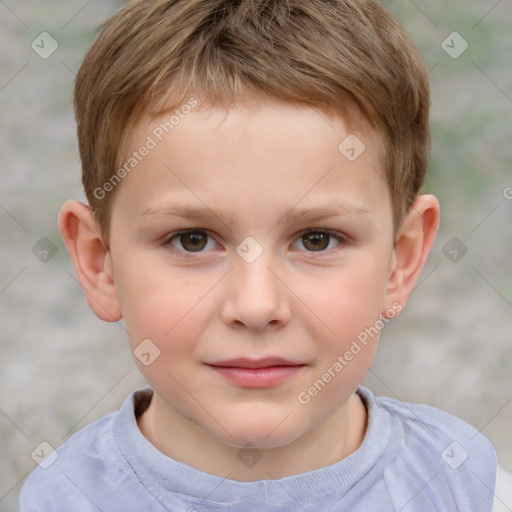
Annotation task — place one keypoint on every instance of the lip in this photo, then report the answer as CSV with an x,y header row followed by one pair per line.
x,y
266,362
261,373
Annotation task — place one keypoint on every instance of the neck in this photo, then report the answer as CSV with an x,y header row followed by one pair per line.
x,y
179,438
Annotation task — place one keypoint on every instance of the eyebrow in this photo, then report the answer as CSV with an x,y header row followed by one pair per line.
x,y
335,210
294,214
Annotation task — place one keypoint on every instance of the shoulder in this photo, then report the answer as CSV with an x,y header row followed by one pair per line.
x,y
439,429
53,480
442,452
426,418
503,500
83,471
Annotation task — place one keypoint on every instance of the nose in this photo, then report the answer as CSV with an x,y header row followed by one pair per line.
x,y
257,298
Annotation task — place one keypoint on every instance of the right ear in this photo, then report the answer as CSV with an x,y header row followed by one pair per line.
x,y
92,261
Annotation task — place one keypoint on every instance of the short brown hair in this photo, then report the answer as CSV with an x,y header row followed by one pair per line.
x,y
327,53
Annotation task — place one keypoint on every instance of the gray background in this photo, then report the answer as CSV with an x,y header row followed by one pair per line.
x,y
61,368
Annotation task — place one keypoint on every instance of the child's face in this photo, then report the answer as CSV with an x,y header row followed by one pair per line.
x,y
272,172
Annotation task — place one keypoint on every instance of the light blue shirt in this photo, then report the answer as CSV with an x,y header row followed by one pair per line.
x,y
414,458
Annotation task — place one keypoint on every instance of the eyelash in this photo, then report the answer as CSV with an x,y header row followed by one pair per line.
x,y
176,235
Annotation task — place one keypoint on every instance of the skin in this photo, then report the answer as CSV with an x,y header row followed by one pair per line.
x,y
256,162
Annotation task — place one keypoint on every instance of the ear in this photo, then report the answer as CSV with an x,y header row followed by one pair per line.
x,y
414,241
92,261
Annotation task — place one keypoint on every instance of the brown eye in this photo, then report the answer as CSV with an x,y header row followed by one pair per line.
x,y
191,241
316,241
194,241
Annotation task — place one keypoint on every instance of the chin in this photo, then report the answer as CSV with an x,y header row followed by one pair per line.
x,y
263,435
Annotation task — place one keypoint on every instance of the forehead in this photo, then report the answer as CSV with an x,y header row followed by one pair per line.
x,y
253,110
258,153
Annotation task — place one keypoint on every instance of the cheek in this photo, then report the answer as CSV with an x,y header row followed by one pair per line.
x,y
349,299
349,306
162,306
171,314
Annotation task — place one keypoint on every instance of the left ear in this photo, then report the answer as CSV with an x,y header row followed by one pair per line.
x,y
413,244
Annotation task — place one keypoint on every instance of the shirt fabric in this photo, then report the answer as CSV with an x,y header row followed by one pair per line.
x,y
414,458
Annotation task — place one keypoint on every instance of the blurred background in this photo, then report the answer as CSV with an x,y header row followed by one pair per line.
x,y
61,368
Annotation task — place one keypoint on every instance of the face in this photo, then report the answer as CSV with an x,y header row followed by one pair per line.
x,y
253,234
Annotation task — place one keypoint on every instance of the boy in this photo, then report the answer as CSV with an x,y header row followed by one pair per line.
x,y
253,171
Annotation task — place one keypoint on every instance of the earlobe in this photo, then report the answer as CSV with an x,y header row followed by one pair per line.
x,y
91,259
412,247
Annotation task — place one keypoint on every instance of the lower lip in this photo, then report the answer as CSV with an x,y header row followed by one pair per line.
x,y
257,377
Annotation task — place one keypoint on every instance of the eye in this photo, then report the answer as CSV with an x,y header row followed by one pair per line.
x,y
319,240
191,241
